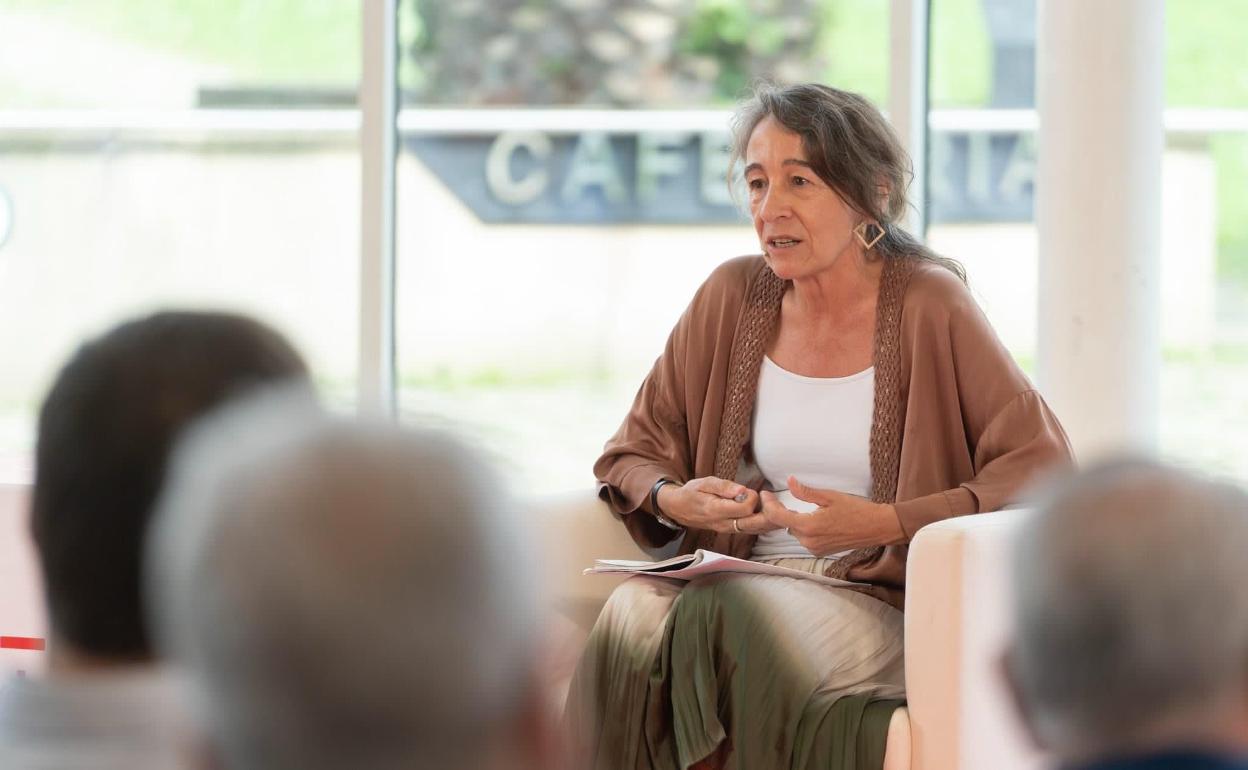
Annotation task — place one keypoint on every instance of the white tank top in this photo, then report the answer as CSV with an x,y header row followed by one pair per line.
x,y
817,429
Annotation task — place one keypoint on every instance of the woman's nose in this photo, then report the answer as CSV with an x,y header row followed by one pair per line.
x,y
773,205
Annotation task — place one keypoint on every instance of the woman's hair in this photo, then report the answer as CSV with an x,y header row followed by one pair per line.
x,y
851,147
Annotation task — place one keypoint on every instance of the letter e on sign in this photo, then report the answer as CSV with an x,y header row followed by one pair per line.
x,y
658,156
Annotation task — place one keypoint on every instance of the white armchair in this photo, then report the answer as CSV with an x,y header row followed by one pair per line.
x,y
958,716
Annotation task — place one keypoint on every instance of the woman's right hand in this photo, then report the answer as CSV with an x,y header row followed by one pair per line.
x,y
715,504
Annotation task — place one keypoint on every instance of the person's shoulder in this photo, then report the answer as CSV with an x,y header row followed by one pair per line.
x,y
938,302
934,288
738,271
730,280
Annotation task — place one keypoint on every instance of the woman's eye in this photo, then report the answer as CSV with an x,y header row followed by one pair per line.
x,y
800,181
755,184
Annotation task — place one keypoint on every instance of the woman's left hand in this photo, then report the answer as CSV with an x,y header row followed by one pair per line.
x,y
841,522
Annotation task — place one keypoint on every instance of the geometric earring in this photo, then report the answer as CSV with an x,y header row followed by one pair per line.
x,y
869,238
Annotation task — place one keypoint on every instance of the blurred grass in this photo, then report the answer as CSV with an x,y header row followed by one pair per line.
x,y
853,39
265,41
1206,61
1230,156
1206,66
961,54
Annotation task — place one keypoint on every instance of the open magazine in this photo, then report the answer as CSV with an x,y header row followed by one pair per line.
x,y
701,562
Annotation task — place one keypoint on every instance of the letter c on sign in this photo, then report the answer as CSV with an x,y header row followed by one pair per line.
x,y
505,187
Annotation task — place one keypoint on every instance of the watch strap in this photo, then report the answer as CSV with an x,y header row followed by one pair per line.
x,y
654,506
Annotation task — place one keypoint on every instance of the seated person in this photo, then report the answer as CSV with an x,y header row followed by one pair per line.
x,y
814,407
347,596
1131,641
105,430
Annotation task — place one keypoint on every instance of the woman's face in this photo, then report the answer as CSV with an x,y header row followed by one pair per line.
x,y
803,225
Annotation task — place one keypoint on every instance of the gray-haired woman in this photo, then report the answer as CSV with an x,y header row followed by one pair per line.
x,y
814,407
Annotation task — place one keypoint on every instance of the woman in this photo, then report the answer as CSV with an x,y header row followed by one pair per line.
x,y
814,407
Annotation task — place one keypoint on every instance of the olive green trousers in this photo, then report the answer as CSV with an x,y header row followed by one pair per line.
x,y
789,673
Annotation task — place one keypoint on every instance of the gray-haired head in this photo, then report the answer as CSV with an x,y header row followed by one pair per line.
x,y
1131,610
343,595
851,146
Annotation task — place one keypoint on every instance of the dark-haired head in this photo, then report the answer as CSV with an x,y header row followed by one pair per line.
x,y
105,432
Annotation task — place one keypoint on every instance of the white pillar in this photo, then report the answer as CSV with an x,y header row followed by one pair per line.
x,y
1100,76
377,99
907,97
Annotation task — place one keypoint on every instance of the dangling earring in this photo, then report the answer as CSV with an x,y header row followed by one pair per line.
x,y
867,238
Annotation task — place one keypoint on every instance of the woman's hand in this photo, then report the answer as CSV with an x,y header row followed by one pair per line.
x,y
715,504
840,523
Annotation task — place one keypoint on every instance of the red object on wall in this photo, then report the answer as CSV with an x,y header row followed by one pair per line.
x,y
21,643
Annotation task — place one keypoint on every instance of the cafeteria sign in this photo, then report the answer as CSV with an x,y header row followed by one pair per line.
x,y
667,177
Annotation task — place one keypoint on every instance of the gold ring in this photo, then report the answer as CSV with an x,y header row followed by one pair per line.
x,y
736,526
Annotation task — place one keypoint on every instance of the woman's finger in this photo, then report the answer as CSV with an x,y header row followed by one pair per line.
x,y
727,490
749,499
810,494
754,524
778,515
731,509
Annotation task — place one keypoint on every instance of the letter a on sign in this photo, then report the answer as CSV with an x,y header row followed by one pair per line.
x,y
593,165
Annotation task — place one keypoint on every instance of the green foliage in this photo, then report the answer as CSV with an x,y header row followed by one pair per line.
x,y
1230,157
267,41
961,55
1206,66
1206,54
733,34
854,40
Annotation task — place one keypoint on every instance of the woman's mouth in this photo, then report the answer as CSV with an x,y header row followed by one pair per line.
x,y
782,243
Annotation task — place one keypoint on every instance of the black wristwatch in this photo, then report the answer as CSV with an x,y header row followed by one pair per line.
x,y
654,506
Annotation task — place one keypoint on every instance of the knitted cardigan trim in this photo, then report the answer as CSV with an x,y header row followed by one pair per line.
x,y
756,326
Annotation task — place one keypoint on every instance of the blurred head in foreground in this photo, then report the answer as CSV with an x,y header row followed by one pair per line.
x,y
347,595
1131,608
105,432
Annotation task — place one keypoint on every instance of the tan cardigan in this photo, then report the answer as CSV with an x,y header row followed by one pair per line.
x,y
957,427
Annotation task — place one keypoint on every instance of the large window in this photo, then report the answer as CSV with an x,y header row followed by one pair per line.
x,y
153,154
1205,239
561,194
560,190
982,164
982,156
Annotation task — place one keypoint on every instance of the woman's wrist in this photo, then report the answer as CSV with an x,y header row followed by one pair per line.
x,y
656,508
894,533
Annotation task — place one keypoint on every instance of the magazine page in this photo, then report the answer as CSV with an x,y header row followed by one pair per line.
x,y
631,565
703,562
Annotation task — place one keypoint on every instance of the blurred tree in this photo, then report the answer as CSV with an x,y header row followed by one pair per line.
x,y
606,52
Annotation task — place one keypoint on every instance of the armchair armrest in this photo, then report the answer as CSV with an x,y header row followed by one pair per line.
x,y
577,528
957,626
